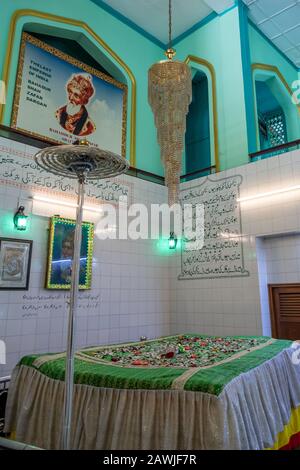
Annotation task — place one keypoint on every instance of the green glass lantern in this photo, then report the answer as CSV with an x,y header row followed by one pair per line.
x,y
172,241
20,219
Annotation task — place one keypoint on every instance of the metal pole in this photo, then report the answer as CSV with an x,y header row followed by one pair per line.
x,y
69,377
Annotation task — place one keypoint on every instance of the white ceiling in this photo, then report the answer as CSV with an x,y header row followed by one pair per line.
x,y
279,20
152,15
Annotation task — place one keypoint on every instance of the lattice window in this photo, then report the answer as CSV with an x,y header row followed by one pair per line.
x,y
276,128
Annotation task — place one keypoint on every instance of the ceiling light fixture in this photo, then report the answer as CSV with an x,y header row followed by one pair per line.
x,y
169,95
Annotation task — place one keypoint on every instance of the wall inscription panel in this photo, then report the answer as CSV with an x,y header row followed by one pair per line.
x,y
18,168
222,254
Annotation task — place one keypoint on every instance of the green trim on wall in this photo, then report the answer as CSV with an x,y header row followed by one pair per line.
x,y
128,22
196,26
119,16
229,9
201,23
247,75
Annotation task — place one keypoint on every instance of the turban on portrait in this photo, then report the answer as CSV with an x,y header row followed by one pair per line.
x,y
84,85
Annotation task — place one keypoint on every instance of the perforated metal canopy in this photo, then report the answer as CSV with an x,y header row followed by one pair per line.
x,y
72,161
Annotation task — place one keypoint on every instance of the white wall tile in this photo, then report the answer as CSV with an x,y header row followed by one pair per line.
x,y
128,276
243,302
139,293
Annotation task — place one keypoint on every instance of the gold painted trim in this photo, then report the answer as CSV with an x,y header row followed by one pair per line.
x,y
60,19
210,67
274,69
27,38
90,242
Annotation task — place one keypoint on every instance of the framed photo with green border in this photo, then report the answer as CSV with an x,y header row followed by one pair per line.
x,y
60,256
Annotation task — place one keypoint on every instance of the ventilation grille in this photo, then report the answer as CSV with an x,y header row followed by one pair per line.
x,y
289,303
276,130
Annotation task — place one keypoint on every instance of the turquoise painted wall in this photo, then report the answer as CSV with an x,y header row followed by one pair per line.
x,y
219,43
135,50
262,52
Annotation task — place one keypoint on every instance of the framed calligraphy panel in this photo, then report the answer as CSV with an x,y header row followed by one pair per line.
x,y
222,254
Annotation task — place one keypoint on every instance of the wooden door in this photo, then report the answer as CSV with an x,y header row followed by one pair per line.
x,y
285,310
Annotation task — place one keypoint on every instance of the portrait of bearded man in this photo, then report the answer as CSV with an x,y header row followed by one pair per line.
x,y
73,116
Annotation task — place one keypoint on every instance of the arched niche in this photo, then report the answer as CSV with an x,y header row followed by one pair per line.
x,y
199,67
272,78
81,39
44,23
197,137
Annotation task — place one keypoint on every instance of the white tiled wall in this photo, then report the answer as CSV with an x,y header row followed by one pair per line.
x,y
236,305
130,285
136,288
279,263
282,259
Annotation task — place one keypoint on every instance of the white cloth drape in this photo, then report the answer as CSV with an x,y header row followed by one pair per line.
x,y
249,413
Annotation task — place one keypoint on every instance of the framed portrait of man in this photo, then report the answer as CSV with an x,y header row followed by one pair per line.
x,y
60,98
60,256
15,259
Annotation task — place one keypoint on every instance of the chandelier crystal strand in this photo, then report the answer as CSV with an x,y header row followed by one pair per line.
x,y
169,95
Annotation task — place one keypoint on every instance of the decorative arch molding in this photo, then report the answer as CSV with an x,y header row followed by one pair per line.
x,y
87,32
190,60
276,71
273,71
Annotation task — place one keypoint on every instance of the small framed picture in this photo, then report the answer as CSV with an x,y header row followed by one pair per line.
x,y
60,256
15,259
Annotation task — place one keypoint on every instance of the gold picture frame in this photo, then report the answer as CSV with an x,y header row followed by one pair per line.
x,y
60,254
63,133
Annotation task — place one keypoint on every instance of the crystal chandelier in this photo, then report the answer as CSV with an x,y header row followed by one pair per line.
x,y
169,94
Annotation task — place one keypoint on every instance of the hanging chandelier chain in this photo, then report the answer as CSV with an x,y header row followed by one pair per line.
x,y
170,24
169,95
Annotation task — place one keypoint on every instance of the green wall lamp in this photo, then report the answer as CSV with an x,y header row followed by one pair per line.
x,y
20,219
172,241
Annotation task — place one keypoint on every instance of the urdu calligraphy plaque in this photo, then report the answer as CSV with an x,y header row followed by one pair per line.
x,y
222,253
